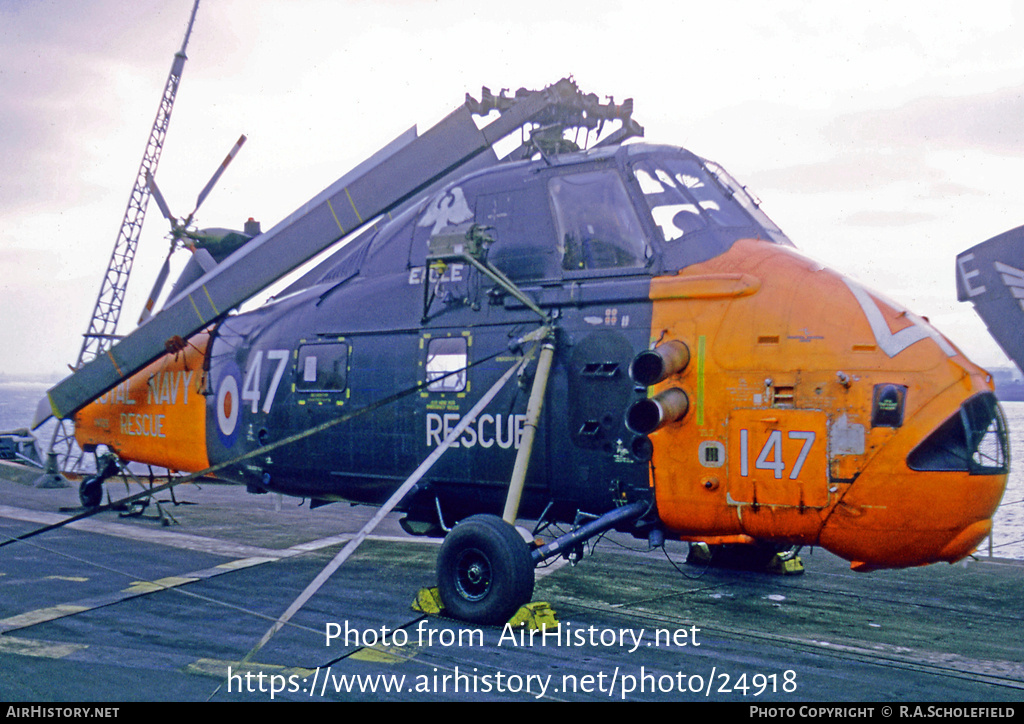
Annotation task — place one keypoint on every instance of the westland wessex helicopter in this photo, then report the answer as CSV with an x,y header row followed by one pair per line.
x,y
676,367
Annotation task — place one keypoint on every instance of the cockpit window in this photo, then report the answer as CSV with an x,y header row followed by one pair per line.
x,y
748,202
597,225
684,197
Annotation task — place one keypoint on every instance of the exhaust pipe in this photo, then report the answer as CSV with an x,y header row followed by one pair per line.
x,y
653,365
646,416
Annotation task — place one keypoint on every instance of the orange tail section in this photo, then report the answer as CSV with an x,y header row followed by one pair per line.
x,y
157,416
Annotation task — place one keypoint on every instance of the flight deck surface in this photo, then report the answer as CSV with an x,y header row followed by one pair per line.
x,y
127,609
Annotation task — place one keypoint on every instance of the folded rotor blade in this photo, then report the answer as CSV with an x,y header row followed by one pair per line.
x,y
224,164
159,198
158,286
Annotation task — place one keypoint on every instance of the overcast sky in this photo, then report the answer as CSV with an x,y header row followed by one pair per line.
x,y
883,137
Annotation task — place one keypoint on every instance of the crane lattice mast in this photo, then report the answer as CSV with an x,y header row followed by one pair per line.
x,y
102,329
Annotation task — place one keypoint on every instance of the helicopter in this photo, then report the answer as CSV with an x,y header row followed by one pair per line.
x,y
613,337
988,275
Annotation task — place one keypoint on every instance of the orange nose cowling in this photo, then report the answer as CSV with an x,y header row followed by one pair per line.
x,y
895,516
788,438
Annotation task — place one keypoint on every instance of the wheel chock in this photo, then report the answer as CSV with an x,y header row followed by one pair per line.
x,y
699,554
784,564
746,558
538,615
428,600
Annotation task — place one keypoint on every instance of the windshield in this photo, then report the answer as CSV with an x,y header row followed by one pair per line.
x,y
683,197
751,204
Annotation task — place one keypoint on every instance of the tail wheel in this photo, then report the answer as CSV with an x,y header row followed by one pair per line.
x,y
484,571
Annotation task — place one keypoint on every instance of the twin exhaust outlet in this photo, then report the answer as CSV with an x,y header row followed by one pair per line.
x,y
649,368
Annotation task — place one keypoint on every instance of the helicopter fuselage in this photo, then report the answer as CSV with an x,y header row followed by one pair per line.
x,y
806,409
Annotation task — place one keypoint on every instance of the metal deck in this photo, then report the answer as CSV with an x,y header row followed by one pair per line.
x,y
127,609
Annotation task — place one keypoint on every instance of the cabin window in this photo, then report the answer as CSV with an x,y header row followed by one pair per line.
x,y
520,222
597,225
322,367
447,358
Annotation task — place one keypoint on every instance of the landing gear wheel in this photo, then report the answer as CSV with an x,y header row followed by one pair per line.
x,y
484,571
90,492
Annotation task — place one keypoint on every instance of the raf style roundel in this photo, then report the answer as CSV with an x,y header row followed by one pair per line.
x,y
229,404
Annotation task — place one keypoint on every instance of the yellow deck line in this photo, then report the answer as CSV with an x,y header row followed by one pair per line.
x,y
41,615
41,649
161,584
218,668
142,588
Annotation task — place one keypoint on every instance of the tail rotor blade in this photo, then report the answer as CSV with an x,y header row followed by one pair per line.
x,y
224,164
158,287
159,198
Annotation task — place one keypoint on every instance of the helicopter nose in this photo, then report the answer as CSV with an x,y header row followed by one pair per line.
x,y
930,492
929,489
818,413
